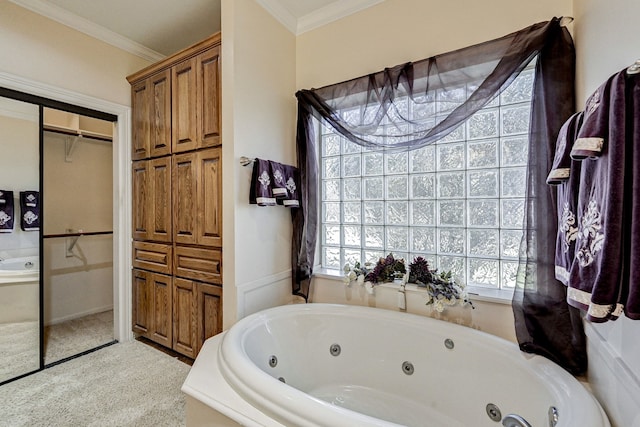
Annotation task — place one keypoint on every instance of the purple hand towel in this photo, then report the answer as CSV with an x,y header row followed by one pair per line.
x,y
630,296
260,192
561,168
592,136
6,211
293,195
278,183
567,184
30,210
596,276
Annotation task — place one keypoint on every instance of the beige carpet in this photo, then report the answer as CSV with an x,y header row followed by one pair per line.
x,y
129,384
19,349
75,336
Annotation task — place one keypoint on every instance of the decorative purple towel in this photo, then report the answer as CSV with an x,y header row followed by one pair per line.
x,y
630,295
260,191
562,166
293,179
591,139
30,210
596,274
567,185
6,211
278,183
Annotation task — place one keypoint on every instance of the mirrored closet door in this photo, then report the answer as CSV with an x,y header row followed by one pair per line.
x,y
19,238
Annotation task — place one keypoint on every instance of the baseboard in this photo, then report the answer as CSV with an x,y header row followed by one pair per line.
x,y
79,315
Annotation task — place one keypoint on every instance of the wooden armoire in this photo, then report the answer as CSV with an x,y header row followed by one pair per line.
x,y
177,198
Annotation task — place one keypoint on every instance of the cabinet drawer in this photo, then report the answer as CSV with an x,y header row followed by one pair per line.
x,y
153,257
201,264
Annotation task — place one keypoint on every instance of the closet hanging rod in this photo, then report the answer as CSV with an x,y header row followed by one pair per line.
x,y
84,233
634,68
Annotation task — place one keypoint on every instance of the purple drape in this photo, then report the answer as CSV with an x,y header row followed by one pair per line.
x,y
370,111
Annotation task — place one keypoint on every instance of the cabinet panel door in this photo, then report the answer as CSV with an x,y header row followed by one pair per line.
x,y
140,126
140,208
160,114
209,118
209,197
184,314
160,200
209,312
161,309
184,120
185,198
142,300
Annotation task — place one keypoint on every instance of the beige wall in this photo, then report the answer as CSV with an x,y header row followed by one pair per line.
x,y
43,50
397,31
258,78
78,193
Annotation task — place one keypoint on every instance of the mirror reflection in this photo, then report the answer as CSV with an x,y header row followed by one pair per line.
x,y
19,238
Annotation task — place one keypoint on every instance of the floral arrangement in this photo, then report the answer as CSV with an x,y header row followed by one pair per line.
x,y
442,289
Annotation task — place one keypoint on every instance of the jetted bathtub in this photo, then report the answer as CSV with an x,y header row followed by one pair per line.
x,y
20,269
334,365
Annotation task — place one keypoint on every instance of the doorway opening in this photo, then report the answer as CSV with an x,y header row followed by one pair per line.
x,y
77,258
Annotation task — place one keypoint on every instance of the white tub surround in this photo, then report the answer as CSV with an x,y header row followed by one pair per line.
x,y
335,365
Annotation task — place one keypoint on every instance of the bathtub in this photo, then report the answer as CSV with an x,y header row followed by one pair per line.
x,y
334,365
19,289
21,269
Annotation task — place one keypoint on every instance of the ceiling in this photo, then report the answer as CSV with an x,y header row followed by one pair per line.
x,y
157,28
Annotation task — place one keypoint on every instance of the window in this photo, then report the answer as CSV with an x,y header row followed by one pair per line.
x,y
459,202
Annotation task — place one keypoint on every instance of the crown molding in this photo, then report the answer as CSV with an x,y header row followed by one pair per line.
x,y
332,12
64,17
286,18
325,15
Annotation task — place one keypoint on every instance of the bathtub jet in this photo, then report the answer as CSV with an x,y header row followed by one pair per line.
x,y
324,365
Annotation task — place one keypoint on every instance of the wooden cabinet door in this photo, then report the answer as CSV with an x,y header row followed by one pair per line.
x,y
151,187
185,198
140,126
209,197
185,316
159,210
184,119
209,312
197,198
160,114
140,190
151,299
142,300
162,315
208,97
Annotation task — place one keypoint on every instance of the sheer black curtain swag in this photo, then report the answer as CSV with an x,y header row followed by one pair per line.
x,y
372,111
